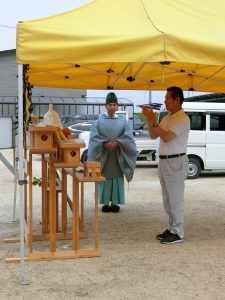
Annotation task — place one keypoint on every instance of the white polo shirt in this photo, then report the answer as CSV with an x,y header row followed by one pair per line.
x,y
179,123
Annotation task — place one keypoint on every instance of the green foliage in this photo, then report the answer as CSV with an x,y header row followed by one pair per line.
x,y
36,181
143,119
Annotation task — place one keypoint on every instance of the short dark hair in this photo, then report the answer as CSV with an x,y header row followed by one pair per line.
x,y
176,92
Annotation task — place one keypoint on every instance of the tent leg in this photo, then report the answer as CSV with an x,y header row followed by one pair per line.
x,y
16,178
15,194
21,174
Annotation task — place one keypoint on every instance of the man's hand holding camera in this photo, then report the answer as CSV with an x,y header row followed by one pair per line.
x,y
150,116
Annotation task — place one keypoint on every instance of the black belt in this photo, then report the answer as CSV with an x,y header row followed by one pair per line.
x,y
171,156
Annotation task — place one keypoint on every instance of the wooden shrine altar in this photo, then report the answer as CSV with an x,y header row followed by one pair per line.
x,y
58,161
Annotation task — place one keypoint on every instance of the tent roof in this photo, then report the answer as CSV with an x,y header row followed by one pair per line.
x,y
138,44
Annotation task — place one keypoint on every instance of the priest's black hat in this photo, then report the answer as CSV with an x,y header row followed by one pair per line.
x,y
111,98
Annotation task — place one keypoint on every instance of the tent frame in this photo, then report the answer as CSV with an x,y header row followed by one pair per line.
x,y
21,181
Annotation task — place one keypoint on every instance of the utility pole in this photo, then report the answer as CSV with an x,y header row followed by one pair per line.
x,y
150,97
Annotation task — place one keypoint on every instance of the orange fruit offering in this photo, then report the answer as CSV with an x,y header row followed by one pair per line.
x,y
66,131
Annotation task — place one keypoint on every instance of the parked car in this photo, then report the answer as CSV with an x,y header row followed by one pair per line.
x,y
136,123
68,120
80,127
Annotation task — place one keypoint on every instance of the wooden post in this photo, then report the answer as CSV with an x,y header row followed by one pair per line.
x,y
43,193
30,205
74,208
64,201
96,217
76,212
82,207
52,205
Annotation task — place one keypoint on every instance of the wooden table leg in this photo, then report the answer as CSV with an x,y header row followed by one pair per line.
x,y
96,217
47,197
43,193
30,205
74,183
57,210
82,208
75,230
77,227
52,206
64,201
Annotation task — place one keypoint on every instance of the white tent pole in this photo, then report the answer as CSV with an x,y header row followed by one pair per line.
x,y
150,97
21,174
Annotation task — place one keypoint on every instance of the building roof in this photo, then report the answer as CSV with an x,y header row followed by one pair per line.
x,y
65,100
207,98
11,51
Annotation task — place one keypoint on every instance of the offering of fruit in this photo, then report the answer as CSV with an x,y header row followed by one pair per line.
x,y
59,135
66,131
62,135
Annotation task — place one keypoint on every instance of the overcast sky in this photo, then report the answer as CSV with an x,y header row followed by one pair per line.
x,y
12,11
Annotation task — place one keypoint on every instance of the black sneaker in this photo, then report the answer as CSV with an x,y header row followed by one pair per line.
x,y
162,235
105,208
172,238
114,208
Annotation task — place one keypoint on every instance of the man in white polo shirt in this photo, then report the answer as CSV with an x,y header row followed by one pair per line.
x,y
173,131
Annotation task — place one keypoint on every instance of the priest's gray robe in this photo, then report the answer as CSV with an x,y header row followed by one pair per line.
x,y
118,162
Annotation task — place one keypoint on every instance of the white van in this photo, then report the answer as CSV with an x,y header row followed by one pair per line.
x,y
206,143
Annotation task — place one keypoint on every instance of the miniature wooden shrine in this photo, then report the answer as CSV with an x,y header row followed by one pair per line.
x,y
58,160
41,137
70,152
92,168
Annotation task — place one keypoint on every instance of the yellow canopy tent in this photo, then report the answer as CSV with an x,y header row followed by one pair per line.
x,y
129,44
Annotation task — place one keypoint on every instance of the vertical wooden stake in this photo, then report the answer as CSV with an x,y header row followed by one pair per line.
x,y
77,229
73,211
82,207
96,217
52,205
30,205
64,201
43,199
45,196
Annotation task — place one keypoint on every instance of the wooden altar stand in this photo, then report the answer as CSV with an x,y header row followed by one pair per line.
x,y
65,158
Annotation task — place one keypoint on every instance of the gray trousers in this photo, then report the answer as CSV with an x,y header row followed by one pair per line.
x,y
172,174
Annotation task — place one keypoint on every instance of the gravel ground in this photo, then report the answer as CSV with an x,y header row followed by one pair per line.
x,y
133,264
